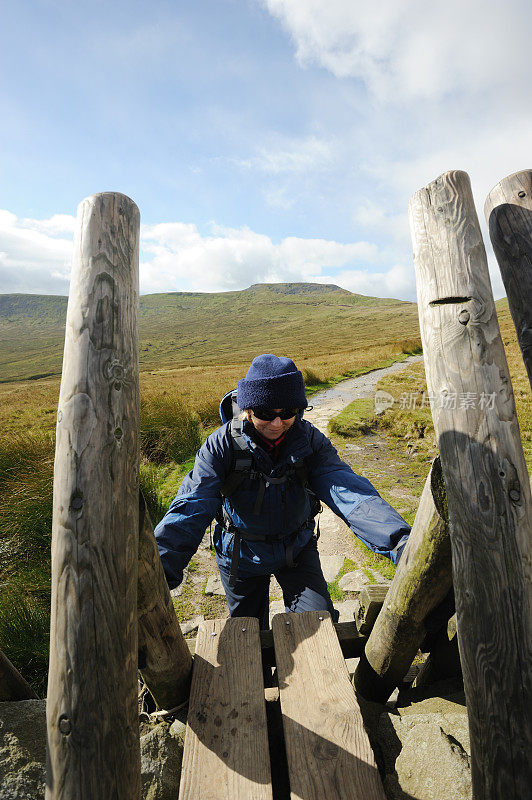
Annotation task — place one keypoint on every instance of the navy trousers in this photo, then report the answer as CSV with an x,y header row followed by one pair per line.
x,y
304,589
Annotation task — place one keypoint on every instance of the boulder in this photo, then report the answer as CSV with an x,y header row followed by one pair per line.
x,y
161,753
191,624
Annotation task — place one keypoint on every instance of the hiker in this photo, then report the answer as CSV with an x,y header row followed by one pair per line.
x,y
263,476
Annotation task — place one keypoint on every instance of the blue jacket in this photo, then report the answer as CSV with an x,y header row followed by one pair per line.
x,y
285,507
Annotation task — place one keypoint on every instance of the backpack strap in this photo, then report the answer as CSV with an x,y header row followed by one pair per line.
x,y
242,460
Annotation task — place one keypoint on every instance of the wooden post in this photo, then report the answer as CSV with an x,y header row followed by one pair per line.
x,y
12,685
92,712
508,212
488,489
422,580
165,661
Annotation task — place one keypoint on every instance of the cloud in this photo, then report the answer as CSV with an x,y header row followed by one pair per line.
x,y
302,155
35,255
413,49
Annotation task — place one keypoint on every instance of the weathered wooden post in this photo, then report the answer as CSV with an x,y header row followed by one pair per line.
x,y
422,580
488,490
12,685
508,212
165,661
92,712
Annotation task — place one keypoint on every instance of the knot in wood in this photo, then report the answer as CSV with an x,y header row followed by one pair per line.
x,y
464,316
515,495
65,726
521,194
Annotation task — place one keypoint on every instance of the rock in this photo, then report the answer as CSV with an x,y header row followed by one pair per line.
x,y
379,578
353,581
179,589
22,749
276,607
23,754
331,566
425,756
191,624
161,753
214,586
346,609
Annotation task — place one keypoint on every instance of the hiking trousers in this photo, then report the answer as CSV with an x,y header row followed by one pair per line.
x,y
304,589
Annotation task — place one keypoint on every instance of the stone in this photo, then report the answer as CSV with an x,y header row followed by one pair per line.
x,y
347,610
426,755
276,607
331,566
353,581
161,753
379,578
23,754
191,624
22,750
214,586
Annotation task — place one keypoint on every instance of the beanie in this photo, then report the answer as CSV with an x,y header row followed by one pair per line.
x,y
272,382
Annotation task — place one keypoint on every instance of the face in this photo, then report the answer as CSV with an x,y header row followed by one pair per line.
x,y
274,429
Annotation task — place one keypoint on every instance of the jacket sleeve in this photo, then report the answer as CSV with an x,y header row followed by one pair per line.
x,y
196,504
355,500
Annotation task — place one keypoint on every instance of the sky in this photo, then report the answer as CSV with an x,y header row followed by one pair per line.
x,y
262,140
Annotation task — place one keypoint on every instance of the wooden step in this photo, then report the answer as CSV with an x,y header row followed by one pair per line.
x,y
226,754
328,751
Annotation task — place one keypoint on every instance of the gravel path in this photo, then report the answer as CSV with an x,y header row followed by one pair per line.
x,y
335,537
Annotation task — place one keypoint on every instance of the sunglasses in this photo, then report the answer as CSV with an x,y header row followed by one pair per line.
x,y
267,415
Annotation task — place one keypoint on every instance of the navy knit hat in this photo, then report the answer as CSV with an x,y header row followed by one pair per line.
x,y
272,382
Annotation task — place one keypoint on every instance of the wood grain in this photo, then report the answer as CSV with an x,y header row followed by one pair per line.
x,y
226,754
92,713
508,211
487,483
422,580
12,685
164,656
329,755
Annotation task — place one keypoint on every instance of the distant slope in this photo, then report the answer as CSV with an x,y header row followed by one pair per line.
x,y
187,328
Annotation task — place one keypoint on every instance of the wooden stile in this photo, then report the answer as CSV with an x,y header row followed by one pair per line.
x,y
226,754
329,754
508,211
422,580
165,661
92,712
487,483
12,685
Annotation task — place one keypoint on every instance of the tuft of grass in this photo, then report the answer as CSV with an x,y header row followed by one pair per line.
x,y
169,429
336,593
357,418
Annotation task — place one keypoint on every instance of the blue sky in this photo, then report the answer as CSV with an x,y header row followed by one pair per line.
x,y
261,139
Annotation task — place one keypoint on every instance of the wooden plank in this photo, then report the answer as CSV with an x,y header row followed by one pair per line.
x,y
329,754
92,710
508,211
351,642
164,656
367,606
487,483
422,580
12,685
226,753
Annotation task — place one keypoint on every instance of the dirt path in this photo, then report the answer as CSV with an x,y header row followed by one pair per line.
x,y
336,539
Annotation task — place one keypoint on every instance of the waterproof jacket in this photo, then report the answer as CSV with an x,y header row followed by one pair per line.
x,y
285,507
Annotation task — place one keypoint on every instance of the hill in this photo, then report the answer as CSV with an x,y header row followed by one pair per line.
x,y
186,329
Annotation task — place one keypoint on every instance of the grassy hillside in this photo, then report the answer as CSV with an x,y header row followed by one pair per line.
x,y
190,329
